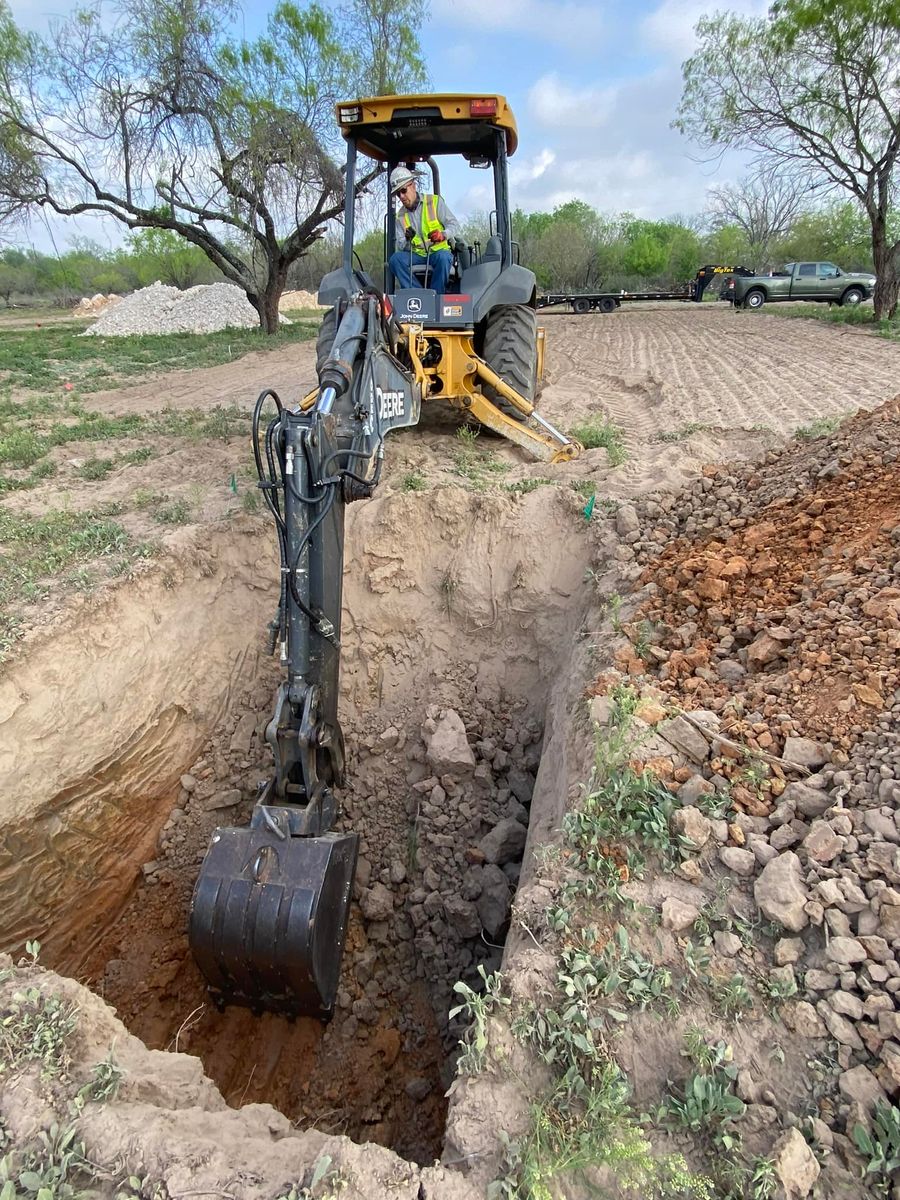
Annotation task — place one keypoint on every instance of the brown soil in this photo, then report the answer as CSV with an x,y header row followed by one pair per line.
x,y
456,596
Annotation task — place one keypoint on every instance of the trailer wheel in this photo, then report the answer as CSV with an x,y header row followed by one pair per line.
x,y
325,339
851,297
581,306
755,298
510,349
607,305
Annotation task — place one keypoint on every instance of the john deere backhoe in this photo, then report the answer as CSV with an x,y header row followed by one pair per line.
x,y
269,912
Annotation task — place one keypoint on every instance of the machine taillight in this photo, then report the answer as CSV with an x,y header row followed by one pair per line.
x,y
348,113
483,108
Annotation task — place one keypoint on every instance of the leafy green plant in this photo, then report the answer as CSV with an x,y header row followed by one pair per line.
x,y
777,988
622,971
477,1007
521,487
821,427
763,1182
707,1103
35,1027
104,1082
880,1144
683,431
584,487
324,1184
413,482
172,512
731,996
600,432
48,1167
95,468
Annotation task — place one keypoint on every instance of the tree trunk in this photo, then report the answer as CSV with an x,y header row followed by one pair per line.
x,y
266,302
887,282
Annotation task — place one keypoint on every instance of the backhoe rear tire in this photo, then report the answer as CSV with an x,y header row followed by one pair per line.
x,y
510,349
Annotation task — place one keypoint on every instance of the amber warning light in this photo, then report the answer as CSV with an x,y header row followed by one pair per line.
x,y
484,108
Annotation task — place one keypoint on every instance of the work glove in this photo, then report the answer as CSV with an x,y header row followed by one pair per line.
x,y
437,235
409,233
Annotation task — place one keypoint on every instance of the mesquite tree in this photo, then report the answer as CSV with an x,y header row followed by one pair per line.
x,y
156,115
815,85
763,206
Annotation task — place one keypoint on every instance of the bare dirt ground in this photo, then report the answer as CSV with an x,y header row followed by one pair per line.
x,y
463,591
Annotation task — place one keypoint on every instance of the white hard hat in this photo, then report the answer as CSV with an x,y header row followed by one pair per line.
x,y
400,177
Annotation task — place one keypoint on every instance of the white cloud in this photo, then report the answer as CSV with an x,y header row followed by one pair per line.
x,y
554,103
670,28
528,169
575,24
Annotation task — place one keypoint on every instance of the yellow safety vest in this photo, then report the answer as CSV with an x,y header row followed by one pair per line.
x,y
430,222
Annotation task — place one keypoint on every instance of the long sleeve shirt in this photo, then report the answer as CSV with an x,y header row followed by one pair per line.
x,y
445,216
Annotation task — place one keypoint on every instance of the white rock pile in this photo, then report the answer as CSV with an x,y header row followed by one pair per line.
x,y
90,306
206,308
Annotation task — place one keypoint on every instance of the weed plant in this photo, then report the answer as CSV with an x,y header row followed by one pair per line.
x,y
35,548
821,427
862,316
36,1027
51,1166
473,463
683,432
707,1103
413,482
880,1146
477,1007
600,432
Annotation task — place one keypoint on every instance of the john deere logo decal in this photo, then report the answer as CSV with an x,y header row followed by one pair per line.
x,y
414,304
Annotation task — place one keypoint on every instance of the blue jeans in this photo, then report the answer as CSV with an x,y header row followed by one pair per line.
x,y
440,262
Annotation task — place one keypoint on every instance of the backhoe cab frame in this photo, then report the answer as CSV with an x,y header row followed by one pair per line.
x,y
451,363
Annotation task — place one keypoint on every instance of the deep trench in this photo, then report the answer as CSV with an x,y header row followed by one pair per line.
x,y
380,1069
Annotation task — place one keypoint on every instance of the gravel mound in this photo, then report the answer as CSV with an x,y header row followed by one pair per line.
x,y
160,309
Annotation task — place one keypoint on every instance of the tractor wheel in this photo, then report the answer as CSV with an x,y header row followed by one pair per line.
x,y
755,299
325,340
510,349
851,298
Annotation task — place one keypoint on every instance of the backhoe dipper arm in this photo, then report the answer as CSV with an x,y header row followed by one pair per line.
x,y
269,911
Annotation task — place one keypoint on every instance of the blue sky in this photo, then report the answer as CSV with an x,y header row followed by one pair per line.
x,y
594,85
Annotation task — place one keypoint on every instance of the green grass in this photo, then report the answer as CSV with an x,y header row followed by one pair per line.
x,y
683,432
473,462
48,358
821,427
413,482
32,427
600,432
862,316
33,549
522,487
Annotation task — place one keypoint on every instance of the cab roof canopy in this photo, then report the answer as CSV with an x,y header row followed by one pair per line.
x,y
401,128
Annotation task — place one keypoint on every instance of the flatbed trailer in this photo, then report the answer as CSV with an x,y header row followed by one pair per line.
x,y
606,302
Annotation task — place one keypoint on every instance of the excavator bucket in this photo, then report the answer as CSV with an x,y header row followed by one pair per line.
x,y
269,916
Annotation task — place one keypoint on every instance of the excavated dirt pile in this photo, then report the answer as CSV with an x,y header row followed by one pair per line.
x,y
769,613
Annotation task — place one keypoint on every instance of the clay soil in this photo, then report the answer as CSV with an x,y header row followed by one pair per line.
x,y
465,591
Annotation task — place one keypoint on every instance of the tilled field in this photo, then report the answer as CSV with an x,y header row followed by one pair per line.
x,y
481,607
